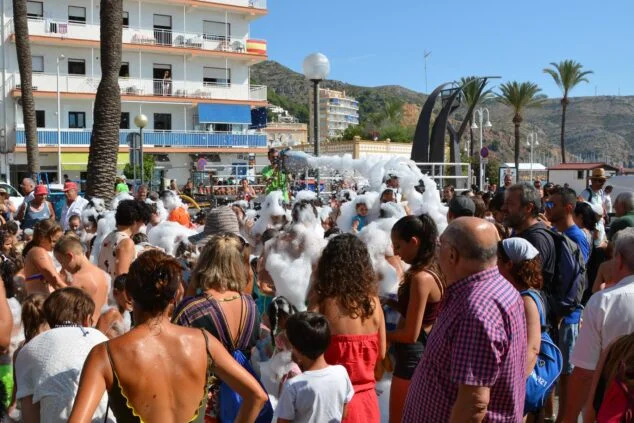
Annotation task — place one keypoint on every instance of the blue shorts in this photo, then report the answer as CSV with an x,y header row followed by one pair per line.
x,y
568,334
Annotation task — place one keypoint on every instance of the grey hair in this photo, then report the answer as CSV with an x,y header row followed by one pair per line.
x,y
626,199
467,244
625,247
528,195
28,181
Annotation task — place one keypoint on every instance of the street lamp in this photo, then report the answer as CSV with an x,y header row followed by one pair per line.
x,y
316,68
141,122
531,141
60,58
487,124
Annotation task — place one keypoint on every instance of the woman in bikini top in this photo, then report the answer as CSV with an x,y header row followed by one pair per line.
x,y
132,367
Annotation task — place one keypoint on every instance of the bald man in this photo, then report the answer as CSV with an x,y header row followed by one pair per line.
x,y
83,274
474,361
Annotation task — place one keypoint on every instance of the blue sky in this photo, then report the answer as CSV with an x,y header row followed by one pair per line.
x,y
375,42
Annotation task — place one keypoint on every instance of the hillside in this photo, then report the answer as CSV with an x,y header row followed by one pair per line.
x,y
597,128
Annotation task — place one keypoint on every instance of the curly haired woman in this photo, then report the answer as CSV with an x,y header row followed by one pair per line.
x,y
345,291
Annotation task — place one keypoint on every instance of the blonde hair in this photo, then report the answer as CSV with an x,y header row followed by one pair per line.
x,y
68,243
221,265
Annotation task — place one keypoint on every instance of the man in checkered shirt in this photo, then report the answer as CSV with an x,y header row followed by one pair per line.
x,y
473,365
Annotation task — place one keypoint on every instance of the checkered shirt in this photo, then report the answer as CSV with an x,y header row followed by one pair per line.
x,y
479,339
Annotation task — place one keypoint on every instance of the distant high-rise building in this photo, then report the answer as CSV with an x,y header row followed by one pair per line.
x,y
336,113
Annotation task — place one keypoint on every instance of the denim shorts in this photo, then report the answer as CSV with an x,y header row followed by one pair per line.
x,y
568,334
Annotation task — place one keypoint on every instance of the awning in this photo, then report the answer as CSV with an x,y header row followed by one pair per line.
x,y
224,113
79,161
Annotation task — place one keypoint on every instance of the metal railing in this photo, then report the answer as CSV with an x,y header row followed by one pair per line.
x,y
440,174
151,138
138,35
147,87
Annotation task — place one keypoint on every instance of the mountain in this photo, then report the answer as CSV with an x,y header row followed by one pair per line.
x,y
597,128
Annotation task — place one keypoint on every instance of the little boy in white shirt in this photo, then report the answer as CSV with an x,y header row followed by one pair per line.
x,y
321,393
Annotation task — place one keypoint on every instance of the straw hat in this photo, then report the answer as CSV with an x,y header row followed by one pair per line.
x,y
598,174
3,192
219,220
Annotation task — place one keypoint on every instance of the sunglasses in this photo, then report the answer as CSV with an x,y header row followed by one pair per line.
x,y
549,204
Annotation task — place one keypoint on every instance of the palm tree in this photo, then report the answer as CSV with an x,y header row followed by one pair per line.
x,y
104,146
519,96
474,94
23,48
393,112
567,74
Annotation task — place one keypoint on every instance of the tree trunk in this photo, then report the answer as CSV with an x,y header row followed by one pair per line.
x,y
104,145
564,105
517,150
23,48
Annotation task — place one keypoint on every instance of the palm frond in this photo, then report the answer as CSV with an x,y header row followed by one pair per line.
x,y
567,74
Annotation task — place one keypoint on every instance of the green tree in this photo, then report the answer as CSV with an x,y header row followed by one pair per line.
x,y
474,94
519,96
393,112
23,49
104,146
148,169
354,131
567,74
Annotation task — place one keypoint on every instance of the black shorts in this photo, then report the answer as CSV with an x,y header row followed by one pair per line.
x,y
407,357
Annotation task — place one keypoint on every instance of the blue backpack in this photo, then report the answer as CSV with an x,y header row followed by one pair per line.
x,y
548,367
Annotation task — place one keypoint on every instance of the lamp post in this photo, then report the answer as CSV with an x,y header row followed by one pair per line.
x,y
60,58
531,142
141,122
316,68
480,113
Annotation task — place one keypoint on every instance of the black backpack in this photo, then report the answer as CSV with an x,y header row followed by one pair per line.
x,y
569,281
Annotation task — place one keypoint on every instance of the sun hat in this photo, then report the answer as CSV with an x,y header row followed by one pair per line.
x,y
40,190
519,249
461,206
218,220
598,174
69,186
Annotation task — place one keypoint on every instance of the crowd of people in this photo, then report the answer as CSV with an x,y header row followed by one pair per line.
x,y
378,303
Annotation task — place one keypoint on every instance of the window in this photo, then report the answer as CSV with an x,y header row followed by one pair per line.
x,y
37,63
76,119
124,72
76,14
34,9
40,121
163,29
580,174
219,31
76,67
163,121
125,121
126,19
216,76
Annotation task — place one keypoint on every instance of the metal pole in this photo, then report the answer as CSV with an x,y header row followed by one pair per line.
x,y
481,164
59,131
141,154
316,128
134,157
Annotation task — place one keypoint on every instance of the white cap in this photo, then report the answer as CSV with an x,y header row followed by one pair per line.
x,y
519,249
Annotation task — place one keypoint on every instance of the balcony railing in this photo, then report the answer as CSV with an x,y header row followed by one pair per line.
x,y
256,4
147,87
151,138
145,36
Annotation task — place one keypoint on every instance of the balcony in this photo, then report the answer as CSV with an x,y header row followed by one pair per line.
x,y
184,139
164,88
133,38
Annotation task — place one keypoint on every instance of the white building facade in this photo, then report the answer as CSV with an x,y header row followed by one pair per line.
x,y
337,111
185,65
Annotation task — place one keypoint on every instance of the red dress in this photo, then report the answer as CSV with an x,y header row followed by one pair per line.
x,y
358,354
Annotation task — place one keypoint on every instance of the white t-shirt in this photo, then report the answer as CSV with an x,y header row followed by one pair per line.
x,y
316,396
608,315
49,367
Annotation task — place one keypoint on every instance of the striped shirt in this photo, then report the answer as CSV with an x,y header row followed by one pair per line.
x,y
479,339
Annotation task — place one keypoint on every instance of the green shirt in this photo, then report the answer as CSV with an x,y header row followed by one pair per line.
x,y
276,181
122,188
625,221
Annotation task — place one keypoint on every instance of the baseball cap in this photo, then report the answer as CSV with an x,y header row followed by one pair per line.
x,y
40,190
70,185
462,206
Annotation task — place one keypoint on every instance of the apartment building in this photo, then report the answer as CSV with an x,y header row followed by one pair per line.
x,y
337,112
185,65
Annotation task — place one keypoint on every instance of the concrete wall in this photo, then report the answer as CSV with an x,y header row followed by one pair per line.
x,y
561,177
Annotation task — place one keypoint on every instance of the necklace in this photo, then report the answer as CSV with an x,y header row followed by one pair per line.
x,y
68,324
222,300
